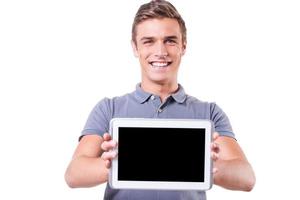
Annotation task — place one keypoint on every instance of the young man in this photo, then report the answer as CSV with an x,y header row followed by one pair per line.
x,y
159,42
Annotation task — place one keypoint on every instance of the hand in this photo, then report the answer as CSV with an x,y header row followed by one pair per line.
x,y
107,146
215,149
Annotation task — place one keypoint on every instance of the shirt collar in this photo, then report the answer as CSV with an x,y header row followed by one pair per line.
x,y
179,96
140,94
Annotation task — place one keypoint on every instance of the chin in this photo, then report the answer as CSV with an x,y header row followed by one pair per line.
x,y
160,81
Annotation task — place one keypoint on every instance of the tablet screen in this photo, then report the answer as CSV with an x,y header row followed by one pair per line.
x,y
161,154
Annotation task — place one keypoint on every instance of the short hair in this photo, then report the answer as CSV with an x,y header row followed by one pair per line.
x,y
157,9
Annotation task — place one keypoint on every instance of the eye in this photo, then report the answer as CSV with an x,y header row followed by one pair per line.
x,y
170,41
147,42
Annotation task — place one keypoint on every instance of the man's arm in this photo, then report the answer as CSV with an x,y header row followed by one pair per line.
x,y
233,170
87,168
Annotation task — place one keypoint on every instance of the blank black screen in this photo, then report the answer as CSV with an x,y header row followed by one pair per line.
x,y
161,154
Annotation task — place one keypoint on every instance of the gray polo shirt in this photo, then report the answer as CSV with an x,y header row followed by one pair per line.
x,y
140,104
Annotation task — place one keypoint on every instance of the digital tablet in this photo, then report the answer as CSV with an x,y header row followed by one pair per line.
x,y
161,154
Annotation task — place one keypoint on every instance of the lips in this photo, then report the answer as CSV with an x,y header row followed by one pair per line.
x,y
159,63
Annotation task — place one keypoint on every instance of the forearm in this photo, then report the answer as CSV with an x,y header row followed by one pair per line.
x,y
86,172
234,175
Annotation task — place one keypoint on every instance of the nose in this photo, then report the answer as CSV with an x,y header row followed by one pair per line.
x,y
161,50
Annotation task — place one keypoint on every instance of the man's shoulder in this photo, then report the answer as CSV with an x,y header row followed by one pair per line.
x,y
116,99
122,98
194,100
198,104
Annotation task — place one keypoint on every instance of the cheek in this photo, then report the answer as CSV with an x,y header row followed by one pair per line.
x,y
175,51
176,55
144,54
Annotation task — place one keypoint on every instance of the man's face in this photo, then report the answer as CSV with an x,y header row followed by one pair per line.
x,y
159,48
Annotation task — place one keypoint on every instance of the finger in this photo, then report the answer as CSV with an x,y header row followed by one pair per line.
x,y
215,136
107,164
108,145
215,147
215,170
106,137
109,155
214,156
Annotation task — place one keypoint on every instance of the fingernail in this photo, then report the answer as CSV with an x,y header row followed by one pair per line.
x,y
215,170
114,153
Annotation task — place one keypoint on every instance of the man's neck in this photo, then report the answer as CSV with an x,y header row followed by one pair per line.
x,y
162,90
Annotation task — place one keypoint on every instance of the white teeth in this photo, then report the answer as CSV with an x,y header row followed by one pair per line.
x,y
159,64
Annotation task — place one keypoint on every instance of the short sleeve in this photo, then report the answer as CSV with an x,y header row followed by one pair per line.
x,y
98,120
221,121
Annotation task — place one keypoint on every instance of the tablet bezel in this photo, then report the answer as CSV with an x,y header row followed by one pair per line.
x,y
115,123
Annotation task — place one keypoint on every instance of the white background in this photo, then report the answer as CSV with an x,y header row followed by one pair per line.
x,y
59,58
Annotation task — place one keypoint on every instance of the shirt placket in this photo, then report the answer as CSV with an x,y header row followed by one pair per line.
x,y
158,105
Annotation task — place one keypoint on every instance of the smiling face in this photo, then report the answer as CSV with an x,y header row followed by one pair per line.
x,y
159,47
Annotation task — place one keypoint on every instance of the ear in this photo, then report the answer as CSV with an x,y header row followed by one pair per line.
x,y
134,48
183,48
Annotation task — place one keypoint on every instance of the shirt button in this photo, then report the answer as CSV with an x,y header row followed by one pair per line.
x,y
152,97
160,110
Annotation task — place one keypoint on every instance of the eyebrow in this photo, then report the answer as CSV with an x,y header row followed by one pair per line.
x,y
146,38
174,37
